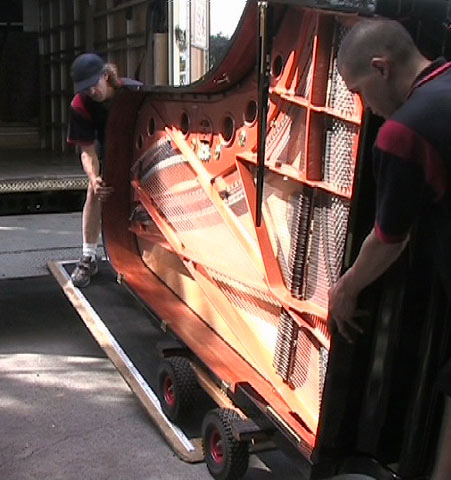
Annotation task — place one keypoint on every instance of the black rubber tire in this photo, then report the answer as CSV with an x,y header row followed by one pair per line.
x,y
226,457
177,387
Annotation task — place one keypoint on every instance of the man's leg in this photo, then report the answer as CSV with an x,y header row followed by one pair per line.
x,y
442,469
91,225
92,213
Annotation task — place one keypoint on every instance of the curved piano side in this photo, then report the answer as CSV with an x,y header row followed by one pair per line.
x,y
249,302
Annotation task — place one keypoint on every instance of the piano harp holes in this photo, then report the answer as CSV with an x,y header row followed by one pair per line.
x,y
139,142
151,126
228,129
205,131
184,123
250,114
277,66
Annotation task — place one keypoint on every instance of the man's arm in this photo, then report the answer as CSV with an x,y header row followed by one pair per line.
x,y
374,258
91,166
90,162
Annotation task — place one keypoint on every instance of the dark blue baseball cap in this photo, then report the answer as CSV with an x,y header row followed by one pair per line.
x,y
86,70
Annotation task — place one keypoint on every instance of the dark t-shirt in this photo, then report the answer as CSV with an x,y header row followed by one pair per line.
x,y
87,119
412,165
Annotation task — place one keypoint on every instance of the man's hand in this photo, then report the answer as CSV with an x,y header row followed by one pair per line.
x,y
374,258
100,188
342,304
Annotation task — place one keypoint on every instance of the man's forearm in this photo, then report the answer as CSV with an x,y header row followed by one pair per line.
x,y
90,162
374,258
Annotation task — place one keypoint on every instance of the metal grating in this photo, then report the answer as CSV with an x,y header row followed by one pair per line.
x,y
43,184
286,340
258,303
308,371
285,141
258,308
323,361
326,250
160,149
298,254
300,360
340,98
288,225
175,191
278,135
235,199
280,210
320,324
338,154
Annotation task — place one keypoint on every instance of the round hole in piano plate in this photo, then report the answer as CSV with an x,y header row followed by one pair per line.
x,y
205,131
250,115
205,125
228,129
139,142
184,123
151,126
277,66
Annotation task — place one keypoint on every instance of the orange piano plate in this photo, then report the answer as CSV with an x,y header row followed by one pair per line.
x,y
262,291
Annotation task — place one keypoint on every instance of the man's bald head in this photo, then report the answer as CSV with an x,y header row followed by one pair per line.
x,y
370,39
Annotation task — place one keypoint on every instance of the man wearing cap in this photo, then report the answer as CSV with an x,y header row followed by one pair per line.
x,y
95,84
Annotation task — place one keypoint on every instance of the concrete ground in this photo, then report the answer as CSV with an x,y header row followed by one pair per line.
x,y
66,413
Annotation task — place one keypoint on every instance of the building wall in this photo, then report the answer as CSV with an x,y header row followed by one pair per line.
x,y
115,29
19,92
30,10
122,32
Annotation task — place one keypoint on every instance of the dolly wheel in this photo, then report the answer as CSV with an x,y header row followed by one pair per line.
x,y
226,457
177,387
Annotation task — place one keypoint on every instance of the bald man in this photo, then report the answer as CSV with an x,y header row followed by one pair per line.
x,y
379,61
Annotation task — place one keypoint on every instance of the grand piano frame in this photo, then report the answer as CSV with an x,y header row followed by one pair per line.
x,y
237,266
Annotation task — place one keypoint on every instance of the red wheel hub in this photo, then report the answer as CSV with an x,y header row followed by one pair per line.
x,y
216,446
168,389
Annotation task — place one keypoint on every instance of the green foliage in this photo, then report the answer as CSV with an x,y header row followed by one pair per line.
x,y
219,44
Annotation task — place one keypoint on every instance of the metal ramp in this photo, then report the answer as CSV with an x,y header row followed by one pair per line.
x,y
123,330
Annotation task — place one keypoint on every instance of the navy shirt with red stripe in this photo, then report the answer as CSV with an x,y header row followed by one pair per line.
x,y
88,118
412,165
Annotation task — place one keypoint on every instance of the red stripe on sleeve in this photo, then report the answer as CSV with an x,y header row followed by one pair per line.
x,y
399,140
78,105
384,238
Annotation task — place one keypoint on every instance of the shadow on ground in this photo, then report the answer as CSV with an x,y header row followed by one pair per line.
x,y
66,412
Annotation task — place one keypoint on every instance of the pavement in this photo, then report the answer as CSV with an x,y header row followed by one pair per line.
x,y
66,413
28,242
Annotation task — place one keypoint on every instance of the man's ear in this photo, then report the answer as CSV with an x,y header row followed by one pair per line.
x,y
382,65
